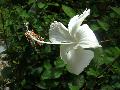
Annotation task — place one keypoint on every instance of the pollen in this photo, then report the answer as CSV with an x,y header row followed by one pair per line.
x,y
30,35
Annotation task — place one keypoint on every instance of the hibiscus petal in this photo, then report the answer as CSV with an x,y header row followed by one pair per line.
x,y
58,33
76,59
86,38
64,49
77,20
73,22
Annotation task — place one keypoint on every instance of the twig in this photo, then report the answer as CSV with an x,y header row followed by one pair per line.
x,y
105,41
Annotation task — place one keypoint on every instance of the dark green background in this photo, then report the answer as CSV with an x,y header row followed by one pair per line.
x,y
34,67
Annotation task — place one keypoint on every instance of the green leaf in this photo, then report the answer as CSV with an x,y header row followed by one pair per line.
x,y
68,10
99,57
94,27
79,81
103,25
73,87
22,12
41,85
47,66
93,72
114,51
53,4
41,5
112,14
37,70
116,10
23,82
57,73
117,85
48,49
31,1
59,63
108,60
110,54
107,87
116,67
46,75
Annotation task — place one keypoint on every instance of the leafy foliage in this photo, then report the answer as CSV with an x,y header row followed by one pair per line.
x,y
40,67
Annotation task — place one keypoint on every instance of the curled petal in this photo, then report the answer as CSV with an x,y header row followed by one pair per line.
x,y
76,59
77,20
86,38
58,33
73,22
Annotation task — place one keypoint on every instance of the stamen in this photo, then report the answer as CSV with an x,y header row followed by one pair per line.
x,y
30,35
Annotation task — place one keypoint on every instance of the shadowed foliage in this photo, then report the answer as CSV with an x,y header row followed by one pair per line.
x,y
34,67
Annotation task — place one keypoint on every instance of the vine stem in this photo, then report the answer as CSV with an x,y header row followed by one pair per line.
x,y
105,41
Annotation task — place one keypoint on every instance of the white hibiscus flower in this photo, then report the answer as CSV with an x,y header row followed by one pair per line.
x,y
73,41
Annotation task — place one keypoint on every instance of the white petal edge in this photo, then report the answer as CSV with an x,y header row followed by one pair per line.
x,y
86,37
76,59
77,20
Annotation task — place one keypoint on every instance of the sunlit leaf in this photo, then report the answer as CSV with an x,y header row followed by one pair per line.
x,y
93,72
59,63
94,27
31,1
73,87
53,4
103,25
57,73
41,5
116,9
41,85
68,10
